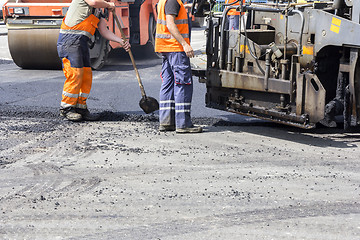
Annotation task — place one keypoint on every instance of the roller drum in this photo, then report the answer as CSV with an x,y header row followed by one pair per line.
x,y
34,48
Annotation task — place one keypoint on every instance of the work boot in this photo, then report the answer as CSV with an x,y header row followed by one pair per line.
x,y
192,129
70,114
86,115
166,128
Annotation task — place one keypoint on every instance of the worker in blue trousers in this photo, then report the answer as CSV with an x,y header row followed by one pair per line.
x,y
172,40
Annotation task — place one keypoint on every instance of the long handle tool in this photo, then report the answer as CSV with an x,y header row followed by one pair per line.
x,y
147,104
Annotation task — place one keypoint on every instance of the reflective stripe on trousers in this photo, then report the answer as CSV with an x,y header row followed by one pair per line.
x,y
77,85
176,90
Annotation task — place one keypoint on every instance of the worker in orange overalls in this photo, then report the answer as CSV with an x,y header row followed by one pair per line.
x,y
172,41
233,16
79,24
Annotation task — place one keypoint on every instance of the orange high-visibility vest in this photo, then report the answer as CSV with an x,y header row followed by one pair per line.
x,y
233,11
164,41
86,27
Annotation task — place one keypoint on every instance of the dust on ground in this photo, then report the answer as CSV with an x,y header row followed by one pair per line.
x,y
119,178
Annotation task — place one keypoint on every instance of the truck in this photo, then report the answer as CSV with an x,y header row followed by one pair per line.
x,y
291,62
33,28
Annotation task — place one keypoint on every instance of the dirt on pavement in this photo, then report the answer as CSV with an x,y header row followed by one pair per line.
x,y
120,178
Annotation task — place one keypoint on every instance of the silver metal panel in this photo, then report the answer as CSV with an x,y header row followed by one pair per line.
x,y
295,23
314,98
253,82
299,94
333,30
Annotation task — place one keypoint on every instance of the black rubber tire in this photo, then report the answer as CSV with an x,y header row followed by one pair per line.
x,y
198,22
152,32
102,45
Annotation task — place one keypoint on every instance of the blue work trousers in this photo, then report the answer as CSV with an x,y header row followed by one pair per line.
x,y
176,90
233,22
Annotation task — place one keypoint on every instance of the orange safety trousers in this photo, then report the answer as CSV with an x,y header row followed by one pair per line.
x,y
73,49
77,85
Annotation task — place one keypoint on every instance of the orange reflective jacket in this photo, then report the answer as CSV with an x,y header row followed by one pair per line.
x,y
86,27
233,11
164,41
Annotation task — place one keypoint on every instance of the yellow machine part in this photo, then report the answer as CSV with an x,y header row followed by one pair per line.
x,y
34,48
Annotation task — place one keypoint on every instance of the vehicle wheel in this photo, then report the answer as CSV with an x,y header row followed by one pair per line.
x,y
99,50
198,22
152,33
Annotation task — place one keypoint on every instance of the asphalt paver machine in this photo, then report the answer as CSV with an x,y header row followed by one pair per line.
x,y
292,62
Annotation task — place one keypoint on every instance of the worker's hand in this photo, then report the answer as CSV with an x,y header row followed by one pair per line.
x,y
188,6
188,50
126,45
111,6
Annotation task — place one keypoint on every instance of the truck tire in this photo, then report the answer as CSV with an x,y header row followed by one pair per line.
x,y
99,50
152,32
198,22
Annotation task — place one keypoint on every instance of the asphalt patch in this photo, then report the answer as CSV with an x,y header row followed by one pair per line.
x,y
123,117
53,114
39,127
25,112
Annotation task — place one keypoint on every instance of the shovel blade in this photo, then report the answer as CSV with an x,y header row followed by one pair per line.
x,y
149,104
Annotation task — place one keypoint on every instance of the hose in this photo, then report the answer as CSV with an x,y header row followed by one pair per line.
x,y
246,40
301,30
250,50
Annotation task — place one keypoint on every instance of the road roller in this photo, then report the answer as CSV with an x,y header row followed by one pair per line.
x,y
33,29
291,62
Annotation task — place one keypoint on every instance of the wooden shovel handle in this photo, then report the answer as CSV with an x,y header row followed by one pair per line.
x,y
130,54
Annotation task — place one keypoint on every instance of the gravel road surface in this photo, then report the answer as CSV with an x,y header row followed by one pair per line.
x,y
119,178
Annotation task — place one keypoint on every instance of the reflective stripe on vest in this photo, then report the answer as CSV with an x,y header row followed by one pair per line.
x,y
164,41
86,27
169,36
65,31
180,21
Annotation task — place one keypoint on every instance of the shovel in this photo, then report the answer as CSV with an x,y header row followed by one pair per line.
x,y
147,104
